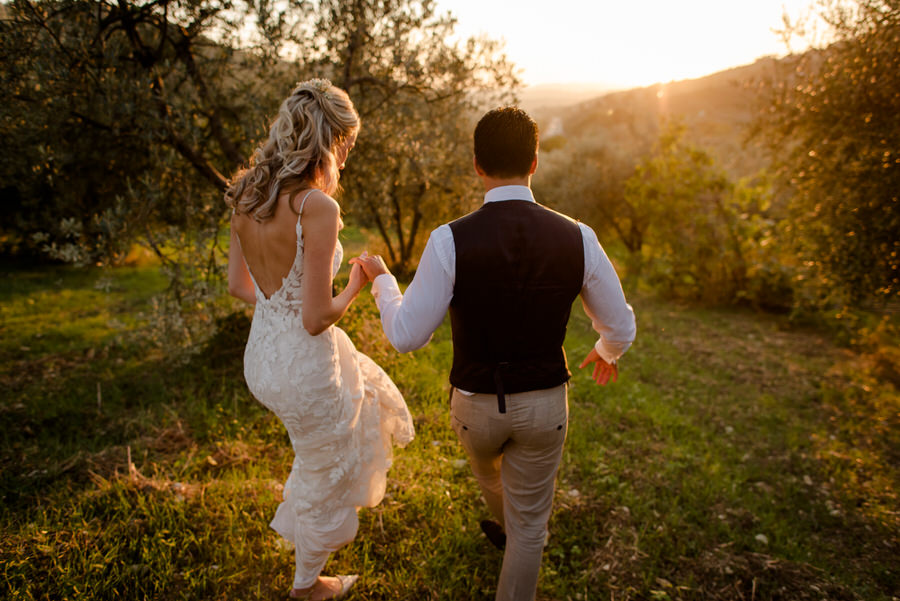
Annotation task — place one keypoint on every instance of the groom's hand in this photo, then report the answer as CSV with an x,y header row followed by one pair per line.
x,y
603,371
373,265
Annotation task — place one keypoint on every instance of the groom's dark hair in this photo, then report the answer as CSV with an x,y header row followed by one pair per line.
x,y
506,141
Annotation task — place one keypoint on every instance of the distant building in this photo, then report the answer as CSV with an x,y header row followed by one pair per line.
x,y
555,128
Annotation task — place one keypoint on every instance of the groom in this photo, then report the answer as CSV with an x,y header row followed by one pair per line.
x,y
509,273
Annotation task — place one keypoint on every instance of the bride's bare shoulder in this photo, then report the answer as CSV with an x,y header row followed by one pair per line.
x,y
316,205
239,221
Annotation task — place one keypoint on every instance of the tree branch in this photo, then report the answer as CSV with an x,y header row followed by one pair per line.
x,y
200,163
414,228
373,210
184,52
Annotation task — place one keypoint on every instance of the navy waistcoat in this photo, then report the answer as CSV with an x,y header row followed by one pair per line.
x,y
519,267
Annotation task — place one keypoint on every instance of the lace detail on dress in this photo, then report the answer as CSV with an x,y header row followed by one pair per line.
x,y
340,409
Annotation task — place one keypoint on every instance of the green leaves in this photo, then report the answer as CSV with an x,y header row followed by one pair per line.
x,y
832,125
419,95
684,203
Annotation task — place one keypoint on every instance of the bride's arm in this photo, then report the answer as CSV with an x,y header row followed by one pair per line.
x,y
239,283
321,222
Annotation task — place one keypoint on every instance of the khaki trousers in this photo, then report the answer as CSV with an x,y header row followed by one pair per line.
x,y
515,456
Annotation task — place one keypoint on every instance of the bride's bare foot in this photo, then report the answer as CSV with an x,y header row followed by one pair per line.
x,y
325,588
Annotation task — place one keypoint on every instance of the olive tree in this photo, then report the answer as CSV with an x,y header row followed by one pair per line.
x,y
126,119
419,93
831,118
691,242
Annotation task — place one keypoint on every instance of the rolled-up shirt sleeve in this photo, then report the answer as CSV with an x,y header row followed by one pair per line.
x,y
410,319
604,301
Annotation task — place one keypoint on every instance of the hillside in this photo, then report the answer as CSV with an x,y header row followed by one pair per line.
x,y
735,458
538,99
716,110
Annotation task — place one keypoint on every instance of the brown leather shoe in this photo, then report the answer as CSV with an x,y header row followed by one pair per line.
x,y
494,533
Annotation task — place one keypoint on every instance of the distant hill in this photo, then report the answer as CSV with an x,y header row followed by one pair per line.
x,y
716,110
543,97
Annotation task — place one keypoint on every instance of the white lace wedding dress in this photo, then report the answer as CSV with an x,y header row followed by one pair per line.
x,y
341,412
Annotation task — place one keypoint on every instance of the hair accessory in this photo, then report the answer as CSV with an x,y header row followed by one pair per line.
x,y
323,86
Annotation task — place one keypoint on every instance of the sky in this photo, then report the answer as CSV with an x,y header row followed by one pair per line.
x,y
627,43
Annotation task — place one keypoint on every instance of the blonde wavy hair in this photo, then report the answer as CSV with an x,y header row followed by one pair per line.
x,y
312,123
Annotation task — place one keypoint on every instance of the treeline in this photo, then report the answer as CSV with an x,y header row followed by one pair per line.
x,y
818,227
122,121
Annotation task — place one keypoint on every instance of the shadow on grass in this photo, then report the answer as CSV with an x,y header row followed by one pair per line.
x,y
83,416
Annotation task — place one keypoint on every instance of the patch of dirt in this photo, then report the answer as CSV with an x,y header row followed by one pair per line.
x,y
45,369
618,561
728,576
757,354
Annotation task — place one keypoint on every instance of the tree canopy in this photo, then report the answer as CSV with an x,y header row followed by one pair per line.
x,y
145,108
418,94
125,120
124,117
831,119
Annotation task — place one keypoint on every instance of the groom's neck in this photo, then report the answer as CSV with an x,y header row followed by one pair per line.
x,y
495,182
492,181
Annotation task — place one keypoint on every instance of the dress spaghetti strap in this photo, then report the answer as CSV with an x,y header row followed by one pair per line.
x,y
303,202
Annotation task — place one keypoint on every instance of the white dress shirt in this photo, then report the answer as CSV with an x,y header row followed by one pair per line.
x,y
409,320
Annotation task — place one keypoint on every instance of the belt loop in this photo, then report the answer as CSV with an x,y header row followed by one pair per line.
x,y
498,382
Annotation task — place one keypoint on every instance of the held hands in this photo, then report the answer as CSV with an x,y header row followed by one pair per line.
x,y
602,370
358,278
372,265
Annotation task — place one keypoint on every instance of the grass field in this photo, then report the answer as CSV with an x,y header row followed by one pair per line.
x,y
736,458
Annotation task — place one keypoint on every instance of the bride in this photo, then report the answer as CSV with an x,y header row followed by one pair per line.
x,y
339,408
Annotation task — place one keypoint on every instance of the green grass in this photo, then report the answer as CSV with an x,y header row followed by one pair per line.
x,y
736,458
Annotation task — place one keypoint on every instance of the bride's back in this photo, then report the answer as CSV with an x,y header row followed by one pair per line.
x,y
307,145
270,246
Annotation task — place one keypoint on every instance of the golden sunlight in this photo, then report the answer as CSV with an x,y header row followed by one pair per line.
x,y
622,44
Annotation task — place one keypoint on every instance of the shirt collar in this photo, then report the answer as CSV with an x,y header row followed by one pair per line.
x,y
508,193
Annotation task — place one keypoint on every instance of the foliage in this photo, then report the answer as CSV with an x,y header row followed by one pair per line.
x,y
127,117
831,118
586,180
411,171
757,225
687,240
418,94
689,230
123,117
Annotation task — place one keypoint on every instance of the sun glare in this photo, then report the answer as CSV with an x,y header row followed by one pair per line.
x,y
626,44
